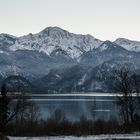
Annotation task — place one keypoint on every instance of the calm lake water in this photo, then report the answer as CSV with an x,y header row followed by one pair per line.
x,y
92,105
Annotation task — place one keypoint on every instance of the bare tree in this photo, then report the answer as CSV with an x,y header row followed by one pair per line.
x,y
15,107
123,85
136,85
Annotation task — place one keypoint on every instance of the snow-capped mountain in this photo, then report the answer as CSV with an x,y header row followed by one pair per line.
x,y
56,39
128,44
53,39
55,59
106,51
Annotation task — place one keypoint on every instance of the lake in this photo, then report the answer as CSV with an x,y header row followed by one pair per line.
x,y
92,105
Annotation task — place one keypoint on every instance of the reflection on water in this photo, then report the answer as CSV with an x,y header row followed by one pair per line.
x,y
76,105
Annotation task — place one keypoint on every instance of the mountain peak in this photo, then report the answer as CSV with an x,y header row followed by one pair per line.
x,y
4,35
55,32
122,40
108,45
125,39
53,28
48,39
6,40
128,44
108,42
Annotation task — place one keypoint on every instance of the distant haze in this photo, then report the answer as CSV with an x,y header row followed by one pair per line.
x,y
104,19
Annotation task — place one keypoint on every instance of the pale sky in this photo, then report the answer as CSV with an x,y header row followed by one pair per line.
x,y
103,19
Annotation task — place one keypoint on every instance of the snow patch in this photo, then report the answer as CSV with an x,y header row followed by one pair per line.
x,y
82,80
103,47
1,51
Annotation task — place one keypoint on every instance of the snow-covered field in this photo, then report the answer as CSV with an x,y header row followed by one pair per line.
x,y
95,137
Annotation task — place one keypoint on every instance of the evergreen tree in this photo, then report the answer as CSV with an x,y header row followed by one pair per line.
x,y
4,111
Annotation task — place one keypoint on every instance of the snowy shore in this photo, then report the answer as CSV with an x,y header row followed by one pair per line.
x,y
94,137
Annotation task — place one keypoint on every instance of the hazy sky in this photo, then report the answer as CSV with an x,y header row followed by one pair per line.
x,y
104,19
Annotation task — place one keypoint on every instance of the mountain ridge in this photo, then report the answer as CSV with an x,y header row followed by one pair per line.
x,y
55,59
49,38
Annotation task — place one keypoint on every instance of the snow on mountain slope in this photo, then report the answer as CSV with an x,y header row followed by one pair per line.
x,y
128,44
53,38
108,45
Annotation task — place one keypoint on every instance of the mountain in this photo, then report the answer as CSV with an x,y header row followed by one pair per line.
x,y
53,39
95,70
106,51
57,60
128,44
